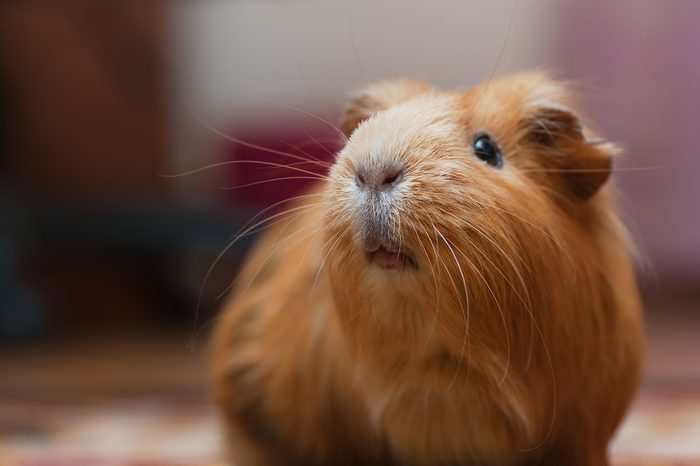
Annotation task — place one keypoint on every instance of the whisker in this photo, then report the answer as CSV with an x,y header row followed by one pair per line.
x,y
486,85
308,90
603,170
254,183
325,258
466,314
195,336
298,147
279,245
278,203
354,44
507,257
308,246
288,211
230,138
235,162
307,113
516,270
313,138
498,305
533,321
223,252
554,387
541,230
435,283
326,140
545,347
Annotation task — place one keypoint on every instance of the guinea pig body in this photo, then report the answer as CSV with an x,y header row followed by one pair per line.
x,y
458,291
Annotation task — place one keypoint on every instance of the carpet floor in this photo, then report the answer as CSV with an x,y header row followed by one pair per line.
x,y
663,428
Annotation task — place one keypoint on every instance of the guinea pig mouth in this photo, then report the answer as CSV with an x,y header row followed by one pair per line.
x,y
390,258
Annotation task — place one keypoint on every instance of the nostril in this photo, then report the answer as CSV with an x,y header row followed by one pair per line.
x,y
391,178
379,180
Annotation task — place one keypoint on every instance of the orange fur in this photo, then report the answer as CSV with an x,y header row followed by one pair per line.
x,y
517,338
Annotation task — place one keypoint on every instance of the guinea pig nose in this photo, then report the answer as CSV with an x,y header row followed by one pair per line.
x,y
390,177
382,179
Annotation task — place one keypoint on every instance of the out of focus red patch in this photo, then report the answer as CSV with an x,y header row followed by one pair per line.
x,y
291,157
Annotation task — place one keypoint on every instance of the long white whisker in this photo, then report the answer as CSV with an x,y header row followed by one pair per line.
x,y
498,305
235,162
230,138
545,233
325,258
221,254
255,183
466,294
279,244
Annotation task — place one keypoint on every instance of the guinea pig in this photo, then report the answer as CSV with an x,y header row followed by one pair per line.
x,y
459,290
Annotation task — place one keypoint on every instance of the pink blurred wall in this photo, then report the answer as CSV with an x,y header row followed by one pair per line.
x,y
644,61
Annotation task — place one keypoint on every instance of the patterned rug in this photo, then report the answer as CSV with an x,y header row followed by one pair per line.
x,y
662,429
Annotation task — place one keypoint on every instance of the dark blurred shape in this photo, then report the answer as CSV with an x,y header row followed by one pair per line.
x,y
6,121
84,136
87,82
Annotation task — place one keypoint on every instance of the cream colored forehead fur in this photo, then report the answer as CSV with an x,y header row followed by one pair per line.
x,y
419,124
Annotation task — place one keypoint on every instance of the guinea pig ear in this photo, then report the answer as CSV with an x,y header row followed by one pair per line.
x,y
585,164
379,97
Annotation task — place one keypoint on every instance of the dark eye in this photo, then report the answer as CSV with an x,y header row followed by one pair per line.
x,y
487,150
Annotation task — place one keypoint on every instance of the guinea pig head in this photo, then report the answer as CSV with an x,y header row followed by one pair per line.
x,y
448,206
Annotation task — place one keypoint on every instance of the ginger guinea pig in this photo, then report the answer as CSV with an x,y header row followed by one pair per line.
x,y
458,291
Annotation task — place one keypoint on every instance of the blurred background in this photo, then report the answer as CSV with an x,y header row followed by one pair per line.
x,y
115,199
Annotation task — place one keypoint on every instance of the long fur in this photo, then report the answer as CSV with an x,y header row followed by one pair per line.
x,y
517,339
